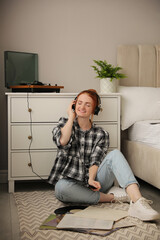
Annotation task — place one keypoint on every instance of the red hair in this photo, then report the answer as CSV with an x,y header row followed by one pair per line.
x,y
93,94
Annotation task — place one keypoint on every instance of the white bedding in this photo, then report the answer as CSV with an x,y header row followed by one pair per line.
x,y
147,132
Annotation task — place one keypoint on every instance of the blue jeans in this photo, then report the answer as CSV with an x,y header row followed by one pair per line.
x,y
113,166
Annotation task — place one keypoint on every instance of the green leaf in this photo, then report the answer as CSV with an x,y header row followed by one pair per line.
x,y
105,70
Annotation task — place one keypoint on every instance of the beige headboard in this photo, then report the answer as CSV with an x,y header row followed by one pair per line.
x,y
141,64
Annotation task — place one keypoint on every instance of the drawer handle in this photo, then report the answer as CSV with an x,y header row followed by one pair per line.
x,y
29,164
29,109
29,137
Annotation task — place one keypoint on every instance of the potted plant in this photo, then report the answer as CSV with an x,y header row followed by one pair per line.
x,y
108,75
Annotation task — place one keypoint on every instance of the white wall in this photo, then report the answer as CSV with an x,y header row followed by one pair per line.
x,y
68,35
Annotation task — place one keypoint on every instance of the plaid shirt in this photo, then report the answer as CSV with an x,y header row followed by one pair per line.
x,y
84,149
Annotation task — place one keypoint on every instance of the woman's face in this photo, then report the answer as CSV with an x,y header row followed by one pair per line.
x,y
84,105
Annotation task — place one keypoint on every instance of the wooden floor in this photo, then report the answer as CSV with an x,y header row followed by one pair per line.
x,y
9,224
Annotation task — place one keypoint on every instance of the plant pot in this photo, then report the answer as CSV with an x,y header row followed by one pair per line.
x,y
108,86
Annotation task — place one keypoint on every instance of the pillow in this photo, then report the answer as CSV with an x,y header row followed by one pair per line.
x,y
139,103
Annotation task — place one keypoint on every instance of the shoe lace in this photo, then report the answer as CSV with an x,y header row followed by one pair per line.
x,y
120,199
146,202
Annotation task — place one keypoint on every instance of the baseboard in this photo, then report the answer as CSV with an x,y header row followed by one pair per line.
x,y
3,176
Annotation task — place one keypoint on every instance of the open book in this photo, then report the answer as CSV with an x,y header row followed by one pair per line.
x,y
70,221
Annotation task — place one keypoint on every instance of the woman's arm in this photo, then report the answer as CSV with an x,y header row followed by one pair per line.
x,y
67,129
92,175
97,156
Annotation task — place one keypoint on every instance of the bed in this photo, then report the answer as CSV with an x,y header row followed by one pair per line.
x,y
140,110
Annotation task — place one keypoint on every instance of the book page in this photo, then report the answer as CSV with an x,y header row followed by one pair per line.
x,y
101,213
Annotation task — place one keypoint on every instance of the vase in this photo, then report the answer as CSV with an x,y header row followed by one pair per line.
x,y
108,86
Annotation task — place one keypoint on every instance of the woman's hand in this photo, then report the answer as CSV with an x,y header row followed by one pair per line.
x,y
66,131
92,175
96,185
70,111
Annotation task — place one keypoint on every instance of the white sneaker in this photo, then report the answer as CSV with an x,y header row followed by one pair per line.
x,y
120,195
142,210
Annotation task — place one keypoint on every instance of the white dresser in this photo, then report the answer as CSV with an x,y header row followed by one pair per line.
x,y
31,118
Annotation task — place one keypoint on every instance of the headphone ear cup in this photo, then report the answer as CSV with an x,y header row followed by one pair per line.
x,y
73,107
96,111
98,107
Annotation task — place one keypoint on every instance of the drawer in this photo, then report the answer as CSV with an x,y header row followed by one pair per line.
x,y
41,137
112,129
52,108
43,109
42,163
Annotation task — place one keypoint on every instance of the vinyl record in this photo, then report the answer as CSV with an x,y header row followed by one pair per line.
x,y
66,209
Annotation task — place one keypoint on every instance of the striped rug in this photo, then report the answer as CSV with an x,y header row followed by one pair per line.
x,y
34,207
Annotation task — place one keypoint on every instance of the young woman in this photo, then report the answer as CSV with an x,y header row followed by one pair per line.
x,y
83,171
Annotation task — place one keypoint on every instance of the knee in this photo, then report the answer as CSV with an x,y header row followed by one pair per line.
x,y
116,151
118,158
117,154
60,190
